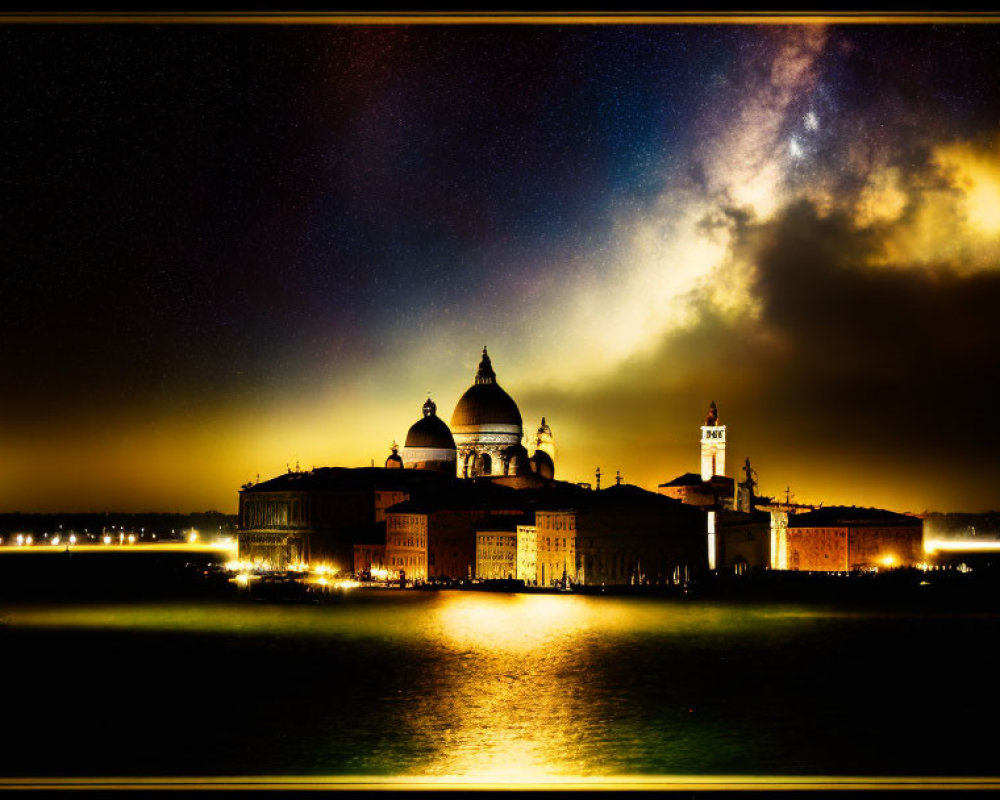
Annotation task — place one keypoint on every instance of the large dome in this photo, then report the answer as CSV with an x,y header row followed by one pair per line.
x,y
485,403
430,430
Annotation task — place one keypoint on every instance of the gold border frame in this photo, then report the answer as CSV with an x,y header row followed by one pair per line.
x,y
644,783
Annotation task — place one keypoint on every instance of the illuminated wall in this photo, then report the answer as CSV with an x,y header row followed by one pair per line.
x,y
743,540
527,554
847,547
406,546
368,557
556,536
496,554
713,451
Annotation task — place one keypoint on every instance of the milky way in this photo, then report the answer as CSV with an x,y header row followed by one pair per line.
x,y
230,248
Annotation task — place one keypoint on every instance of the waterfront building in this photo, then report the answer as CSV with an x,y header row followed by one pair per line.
x,y
406,545
527,555
555,534
369,557
743,541
317,516
435,533
626,535
496,553
845,539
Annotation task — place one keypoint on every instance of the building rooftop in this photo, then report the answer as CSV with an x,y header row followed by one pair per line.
x,y
687,479
464,496
833,516
346,479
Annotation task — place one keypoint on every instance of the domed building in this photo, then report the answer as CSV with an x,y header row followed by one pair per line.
x,y
429,443
488,429
394,461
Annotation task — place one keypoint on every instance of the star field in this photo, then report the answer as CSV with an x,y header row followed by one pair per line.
x,y
231,247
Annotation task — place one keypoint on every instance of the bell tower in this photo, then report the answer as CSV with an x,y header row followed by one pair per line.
x,y
713,445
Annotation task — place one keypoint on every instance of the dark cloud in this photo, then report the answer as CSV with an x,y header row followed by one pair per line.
x,y
844,367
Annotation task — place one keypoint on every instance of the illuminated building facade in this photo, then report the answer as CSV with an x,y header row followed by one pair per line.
x,y
743,541
555,534
496,554
406,546
436,533
369,558
845,539
527,554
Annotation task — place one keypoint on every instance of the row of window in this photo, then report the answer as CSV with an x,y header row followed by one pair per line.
x,y
417,541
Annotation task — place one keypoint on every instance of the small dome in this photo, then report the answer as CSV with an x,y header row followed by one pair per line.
x,y
485,403
542,464
395,460
517,460
430,430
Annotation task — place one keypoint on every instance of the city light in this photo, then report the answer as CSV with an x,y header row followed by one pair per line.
x,y
960,546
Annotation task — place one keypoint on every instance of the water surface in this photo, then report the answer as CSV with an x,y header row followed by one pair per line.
x,y
510,687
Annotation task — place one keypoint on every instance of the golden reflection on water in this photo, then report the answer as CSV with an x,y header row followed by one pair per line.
x,y
507,691
507,705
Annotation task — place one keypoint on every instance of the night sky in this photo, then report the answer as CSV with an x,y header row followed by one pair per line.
x,y
230,248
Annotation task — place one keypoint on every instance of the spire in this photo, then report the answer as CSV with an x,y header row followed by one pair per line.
x,y
486,373
712,418
430,408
